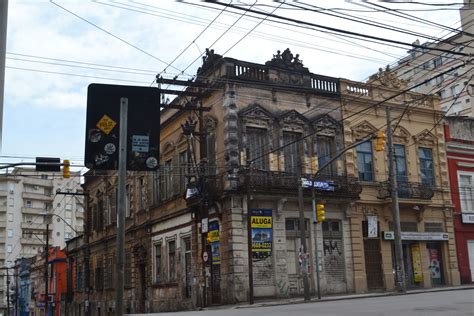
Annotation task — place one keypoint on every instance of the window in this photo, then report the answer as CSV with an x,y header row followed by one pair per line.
x,y
127,201
325,149
426,166
10,217
187,265
364,161
434,227
99,275
166,180
455,90
108,276
67,236
158,265
172,260
257,147
183,170
466,191
142,193
400,162
28,204
441,93
290,151
128,269
10,233
68,214
79,278
437,62
439,79
9,248
44,176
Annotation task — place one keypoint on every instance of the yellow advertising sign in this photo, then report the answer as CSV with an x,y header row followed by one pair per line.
x,y
416,258
106,124
261,222
213,236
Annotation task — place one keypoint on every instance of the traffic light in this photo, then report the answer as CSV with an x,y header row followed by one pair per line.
x,y
320,212
66,169
380,144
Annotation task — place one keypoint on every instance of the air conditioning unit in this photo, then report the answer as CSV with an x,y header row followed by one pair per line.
x,y
12,191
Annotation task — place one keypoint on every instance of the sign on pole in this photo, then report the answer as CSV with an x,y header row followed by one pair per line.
x,y
102,127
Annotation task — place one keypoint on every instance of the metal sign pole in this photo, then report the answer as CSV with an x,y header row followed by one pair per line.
x,y
316,255
121,205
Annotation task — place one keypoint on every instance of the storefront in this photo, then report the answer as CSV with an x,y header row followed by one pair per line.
x,y
421,249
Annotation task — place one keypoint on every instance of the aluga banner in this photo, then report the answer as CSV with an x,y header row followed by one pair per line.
x,y
262,233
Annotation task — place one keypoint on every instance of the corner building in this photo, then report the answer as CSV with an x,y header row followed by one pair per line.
x,y
187,227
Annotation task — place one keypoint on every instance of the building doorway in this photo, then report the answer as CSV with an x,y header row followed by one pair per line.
x,y
436,263
470,254
373,264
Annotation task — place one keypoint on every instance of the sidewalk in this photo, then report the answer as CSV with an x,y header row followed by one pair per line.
x,y
329,298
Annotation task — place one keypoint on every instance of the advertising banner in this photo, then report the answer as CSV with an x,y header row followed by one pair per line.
x,y
416,258
261,223
213,238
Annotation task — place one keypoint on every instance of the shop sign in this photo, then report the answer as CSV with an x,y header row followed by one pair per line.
x,y
213,238
261,225
468,218
416,258
416,236
372,227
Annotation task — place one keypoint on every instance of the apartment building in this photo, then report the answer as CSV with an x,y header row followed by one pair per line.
x,y
26,197
455,88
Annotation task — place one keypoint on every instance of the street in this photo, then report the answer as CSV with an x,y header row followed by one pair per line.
x,y
432,304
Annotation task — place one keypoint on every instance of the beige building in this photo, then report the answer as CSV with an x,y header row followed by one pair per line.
x,y
454,88
426,209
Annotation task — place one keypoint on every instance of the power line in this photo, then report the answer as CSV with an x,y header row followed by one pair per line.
x,y
342,31
113,35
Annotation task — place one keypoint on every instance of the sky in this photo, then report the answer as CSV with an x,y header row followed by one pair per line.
x,y
56,49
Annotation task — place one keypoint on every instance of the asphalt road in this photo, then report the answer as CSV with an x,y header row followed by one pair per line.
x,y
430,304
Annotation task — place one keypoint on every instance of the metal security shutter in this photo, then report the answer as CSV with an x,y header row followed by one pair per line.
x,y
333,257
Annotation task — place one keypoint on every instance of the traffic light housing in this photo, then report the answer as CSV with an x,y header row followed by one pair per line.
x,y
320,212
66,169
381,140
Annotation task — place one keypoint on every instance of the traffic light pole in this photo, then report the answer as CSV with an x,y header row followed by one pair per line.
x,y
399,266
304,263
121,205
313,198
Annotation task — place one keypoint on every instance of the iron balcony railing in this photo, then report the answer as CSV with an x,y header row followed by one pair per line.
x,y
263,181
407,190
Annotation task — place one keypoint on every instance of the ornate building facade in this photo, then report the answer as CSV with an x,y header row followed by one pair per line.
x,y
226,196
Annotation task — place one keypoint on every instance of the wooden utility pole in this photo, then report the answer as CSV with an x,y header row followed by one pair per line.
x,y
303,251
399,265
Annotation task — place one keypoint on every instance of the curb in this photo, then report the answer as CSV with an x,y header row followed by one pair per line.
x,y
347,297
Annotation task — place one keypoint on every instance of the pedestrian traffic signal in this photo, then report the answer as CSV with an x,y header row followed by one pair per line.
x,y
381,139
320,212
66,169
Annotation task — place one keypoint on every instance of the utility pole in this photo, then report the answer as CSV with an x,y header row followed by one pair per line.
x,y
315,221
3,50
304,263
122,179
399,266
249,238
8,292
46,266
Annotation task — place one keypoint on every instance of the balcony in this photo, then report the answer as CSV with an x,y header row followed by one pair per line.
x,y
33,225
407,190
33,241
3,192
36,196
31,210
287,183
38,182
3,223
79,214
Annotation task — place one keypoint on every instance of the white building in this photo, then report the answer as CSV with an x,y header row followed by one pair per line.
x,y
454,88
26,198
